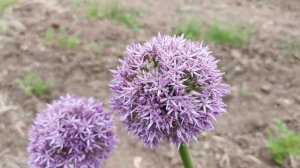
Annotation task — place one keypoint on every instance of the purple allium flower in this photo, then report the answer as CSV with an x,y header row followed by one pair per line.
x,y
73,132
168,88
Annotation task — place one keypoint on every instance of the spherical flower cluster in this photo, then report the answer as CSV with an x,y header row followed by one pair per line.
x,y
73,132
168,88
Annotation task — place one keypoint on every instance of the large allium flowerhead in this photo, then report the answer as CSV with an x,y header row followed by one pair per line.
x,y
168,88
73,132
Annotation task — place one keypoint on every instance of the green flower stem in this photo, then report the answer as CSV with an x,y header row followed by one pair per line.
x,y
185,156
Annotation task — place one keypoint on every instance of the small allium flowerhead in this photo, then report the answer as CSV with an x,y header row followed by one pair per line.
x,y
73,132
168,88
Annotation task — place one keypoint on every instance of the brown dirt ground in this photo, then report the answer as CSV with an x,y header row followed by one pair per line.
x,y
267,67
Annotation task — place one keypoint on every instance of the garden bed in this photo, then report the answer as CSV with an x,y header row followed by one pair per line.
x,y
263,73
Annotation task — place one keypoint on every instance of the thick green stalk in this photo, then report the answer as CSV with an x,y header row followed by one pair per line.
x,y
185,156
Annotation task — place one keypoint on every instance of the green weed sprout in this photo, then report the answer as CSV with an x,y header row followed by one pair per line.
x,y
62,39
291,46
97,47
244,89
92,9
66,41
285,144
129,18
190,30
33,84
50,34
113,11
6,3
182,9
4,28
226,35
74,4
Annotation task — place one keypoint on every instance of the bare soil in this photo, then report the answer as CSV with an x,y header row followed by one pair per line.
x,y
264,75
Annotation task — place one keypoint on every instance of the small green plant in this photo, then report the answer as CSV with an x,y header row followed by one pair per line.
x,y
129,18
244,89
33,84
50,34
182,9
190,30
285,144
226,35
92,9
97,47
112,11
6,3
4,28
61,39
291,46
66,41
74,5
